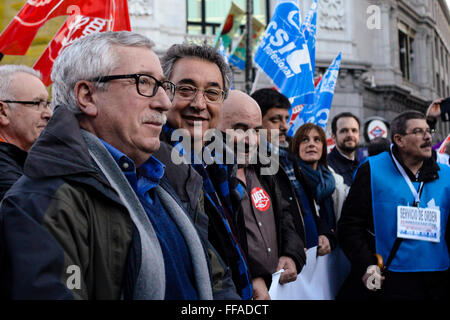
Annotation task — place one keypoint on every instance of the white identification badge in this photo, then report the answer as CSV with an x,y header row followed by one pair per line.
x,y
419,223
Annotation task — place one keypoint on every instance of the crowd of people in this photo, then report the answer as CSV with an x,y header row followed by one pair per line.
x,y
144,178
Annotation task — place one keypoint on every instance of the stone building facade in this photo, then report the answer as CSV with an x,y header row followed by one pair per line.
x,y
396,53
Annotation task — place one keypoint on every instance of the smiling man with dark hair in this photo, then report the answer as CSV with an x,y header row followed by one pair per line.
x,y
202,81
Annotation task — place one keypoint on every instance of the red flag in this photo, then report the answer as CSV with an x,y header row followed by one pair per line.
x,y
18,35
114,18
444,145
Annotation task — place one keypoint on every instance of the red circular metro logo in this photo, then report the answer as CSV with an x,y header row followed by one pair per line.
x,y
260,199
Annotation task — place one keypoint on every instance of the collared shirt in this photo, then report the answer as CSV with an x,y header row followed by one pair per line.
x,y
260,224
428,171
180,283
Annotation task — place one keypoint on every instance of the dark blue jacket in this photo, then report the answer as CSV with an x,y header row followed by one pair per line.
x,y
12,160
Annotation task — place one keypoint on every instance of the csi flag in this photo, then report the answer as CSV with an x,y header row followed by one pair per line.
x,y
283,53
309,28
318,111
222,52
237,57
297,108
230,26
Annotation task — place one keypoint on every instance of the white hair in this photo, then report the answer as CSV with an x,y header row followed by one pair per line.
x,y
87,58
7,73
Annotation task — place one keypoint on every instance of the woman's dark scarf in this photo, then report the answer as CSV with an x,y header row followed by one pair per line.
x,y
321,184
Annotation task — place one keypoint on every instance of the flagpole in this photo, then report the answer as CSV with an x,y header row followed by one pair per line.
x,y
255,83
248,49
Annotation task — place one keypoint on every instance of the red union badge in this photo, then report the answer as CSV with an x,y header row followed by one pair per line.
x,y
260,199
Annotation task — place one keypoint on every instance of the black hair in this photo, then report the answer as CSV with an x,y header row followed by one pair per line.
x,y
343,115
268,98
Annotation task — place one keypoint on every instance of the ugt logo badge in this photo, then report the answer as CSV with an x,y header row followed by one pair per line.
x,y
260,199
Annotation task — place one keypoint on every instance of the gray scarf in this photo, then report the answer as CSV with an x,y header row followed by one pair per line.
x,y
150,284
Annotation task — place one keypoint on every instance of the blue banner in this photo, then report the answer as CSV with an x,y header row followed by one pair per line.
x,y
318,111
221,50
283,54
309,28
237,62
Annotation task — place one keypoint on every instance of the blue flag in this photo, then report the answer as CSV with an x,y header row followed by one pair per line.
x,y
318,111
222,52
283,53
309,28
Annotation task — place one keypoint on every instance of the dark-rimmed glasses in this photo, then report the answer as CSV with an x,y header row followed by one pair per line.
x,y
41,104
146,85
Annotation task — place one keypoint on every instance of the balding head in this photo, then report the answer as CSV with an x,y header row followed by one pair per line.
x,y
240,111
241,118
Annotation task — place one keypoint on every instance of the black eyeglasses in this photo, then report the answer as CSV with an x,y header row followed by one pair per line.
x,y
40,104
146,85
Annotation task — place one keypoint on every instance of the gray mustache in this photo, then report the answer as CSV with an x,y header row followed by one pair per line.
x,y
157,117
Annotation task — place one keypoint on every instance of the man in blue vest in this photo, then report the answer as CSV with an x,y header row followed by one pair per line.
x,y
398,208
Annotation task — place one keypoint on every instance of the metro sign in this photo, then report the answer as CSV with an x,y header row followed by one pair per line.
x,y
377,132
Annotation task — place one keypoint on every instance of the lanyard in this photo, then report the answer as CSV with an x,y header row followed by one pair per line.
x,y
415,193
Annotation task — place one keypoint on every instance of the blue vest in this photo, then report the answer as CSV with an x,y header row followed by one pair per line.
x,y
390,190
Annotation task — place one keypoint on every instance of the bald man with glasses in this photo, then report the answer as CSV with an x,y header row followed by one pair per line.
x,y
24,113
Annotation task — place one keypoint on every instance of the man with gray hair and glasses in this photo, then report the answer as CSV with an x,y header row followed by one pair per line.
x,y
24,113
92,217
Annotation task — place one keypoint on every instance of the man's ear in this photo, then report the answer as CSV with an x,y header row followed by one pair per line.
x,y
398,140
84,94
4,113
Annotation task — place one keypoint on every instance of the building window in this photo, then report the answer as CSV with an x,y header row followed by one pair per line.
x,y
438,84
406,53
436,46
446,62
206,16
